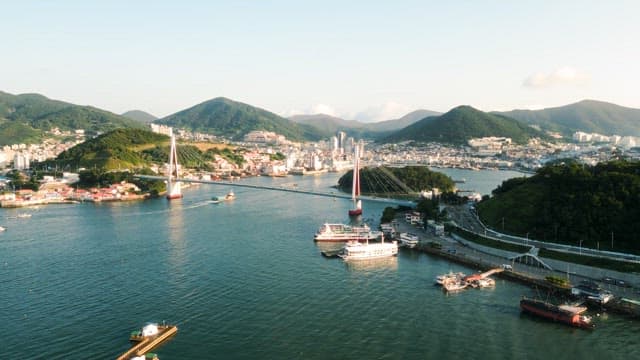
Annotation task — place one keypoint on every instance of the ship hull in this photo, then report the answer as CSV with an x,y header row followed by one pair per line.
x,y
552,312
355,212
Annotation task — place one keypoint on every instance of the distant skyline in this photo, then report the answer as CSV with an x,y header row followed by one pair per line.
x,y
362,60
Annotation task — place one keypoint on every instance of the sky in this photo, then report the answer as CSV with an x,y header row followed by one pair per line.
x,y
364,60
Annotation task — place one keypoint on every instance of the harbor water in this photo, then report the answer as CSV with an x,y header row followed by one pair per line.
x,y
243,279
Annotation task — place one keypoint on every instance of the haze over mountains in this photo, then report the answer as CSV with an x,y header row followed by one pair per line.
x,y
141,116
24,118
588,115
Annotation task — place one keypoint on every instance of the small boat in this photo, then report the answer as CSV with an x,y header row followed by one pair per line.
x,y
2,228
483,283
409,240
230,196
24,215
451,276
453,285
592,292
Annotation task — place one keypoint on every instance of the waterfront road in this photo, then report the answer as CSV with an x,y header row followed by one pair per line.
x,y
466,217
574,273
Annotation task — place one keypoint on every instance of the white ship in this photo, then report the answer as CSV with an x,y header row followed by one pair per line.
x,y
409,240
343,232
354,250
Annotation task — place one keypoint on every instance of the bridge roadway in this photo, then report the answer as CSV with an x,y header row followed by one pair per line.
x,y
285,189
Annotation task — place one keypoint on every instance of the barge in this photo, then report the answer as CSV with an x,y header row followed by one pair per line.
x,y
569,315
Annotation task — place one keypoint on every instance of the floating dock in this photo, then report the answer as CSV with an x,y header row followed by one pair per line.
x,y
145,344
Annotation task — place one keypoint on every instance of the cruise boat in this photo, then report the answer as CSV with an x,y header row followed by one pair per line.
x,y
355,250
409,240
343,232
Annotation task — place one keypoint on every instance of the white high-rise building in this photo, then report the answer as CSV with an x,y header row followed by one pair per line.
x,y
21,161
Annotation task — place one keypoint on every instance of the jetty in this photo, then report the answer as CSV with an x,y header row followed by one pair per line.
x,y
147,339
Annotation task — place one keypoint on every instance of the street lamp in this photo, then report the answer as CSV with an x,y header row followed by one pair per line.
x,y
580,248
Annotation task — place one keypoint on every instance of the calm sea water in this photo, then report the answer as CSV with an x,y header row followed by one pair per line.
x,y
244,280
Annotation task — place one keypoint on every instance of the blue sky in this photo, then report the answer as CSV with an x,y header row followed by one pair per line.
x,y
366,60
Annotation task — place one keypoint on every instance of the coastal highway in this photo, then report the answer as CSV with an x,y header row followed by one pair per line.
x,y
466,217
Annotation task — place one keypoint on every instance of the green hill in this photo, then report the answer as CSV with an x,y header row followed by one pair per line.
x,y
587,115
461,124
24,118
569,203
123,149
376,180
224,117
117,149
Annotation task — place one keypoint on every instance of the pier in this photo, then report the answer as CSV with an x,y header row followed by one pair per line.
x,y
147,343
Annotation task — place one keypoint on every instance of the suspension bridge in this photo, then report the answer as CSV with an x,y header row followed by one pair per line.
x,y
333,194
388,181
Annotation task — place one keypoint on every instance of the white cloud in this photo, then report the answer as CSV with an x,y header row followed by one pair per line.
x,y
312,110
387,111
562,76
322,109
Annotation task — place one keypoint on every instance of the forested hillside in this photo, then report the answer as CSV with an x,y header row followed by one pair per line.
x,y
572,203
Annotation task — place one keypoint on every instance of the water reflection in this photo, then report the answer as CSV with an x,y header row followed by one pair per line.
x,y
175,231
388,263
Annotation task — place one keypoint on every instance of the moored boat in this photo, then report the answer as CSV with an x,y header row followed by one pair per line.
x,y
451,276
553,312
409,240
355,250
592,292
453,285
343,232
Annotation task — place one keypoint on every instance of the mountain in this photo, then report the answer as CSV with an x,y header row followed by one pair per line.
x,y
331,124
461,124
24,118
225,117
141,116
588,115
397,124
327,123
